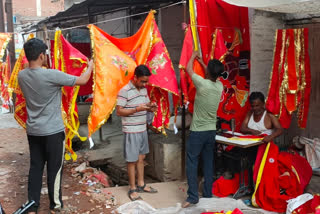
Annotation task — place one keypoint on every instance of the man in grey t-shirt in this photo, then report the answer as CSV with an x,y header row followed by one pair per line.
x,y
45,129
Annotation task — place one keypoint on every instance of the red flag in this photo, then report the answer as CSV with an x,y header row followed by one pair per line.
x,y
71,61
20,110
290,83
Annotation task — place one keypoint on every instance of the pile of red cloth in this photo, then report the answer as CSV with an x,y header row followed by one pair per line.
x,y
224,187
279,176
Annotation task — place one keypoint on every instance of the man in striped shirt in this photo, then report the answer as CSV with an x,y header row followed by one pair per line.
x,y
133,104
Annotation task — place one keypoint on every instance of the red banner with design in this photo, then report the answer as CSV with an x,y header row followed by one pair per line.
x,y
223,37
20,110
186,84
290,83
71,61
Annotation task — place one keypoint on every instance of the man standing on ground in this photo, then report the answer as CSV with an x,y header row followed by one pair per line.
x,y
203,127
45,129
133,104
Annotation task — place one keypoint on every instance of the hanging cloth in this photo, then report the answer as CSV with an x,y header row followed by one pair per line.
x,y
144,47
290,81
68,59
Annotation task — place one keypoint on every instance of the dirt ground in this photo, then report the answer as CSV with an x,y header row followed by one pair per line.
x,y
14,167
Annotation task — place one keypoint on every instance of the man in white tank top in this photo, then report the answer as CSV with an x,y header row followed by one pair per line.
x,y
258,121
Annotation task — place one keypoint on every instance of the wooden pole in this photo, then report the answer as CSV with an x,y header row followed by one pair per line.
x,y
2,28
10,28
183,116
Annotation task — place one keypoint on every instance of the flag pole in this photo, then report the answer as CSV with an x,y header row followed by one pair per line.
x,y
193,25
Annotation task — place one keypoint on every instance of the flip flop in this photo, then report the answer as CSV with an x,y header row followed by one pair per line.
x,y
141,189
132,191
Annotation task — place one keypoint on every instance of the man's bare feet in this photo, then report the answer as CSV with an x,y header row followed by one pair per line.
x,y
186,204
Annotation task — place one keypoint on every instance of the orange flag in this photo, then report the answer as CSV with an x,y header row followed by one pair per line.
x,y
71,61
4,70
147,47
20,112
4,40
4,79
112,70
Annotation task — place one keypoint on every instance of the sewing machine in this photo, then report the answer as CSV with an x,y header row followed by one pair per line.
x,y
231,123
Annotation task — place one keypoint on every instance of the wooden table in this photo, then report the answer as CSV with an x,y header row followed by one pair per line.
x,y
244,144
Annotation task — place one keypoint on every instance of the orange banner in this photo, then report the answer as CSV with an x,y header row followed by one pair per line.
x,y
144,47
4,40
112,70
4,80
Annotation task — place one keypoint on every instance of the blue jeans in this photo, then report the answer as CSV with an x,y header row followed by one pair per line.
x,y
200,144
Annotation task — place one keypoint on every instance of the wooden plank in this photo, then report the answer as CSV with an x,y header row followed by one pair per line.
x,y
239,145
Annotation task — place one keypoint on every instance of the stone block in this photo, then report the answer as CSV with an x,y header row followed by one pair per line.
x,y
164,159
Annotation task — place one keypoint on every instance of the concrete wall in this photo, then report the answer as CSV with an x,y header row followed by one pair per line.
x,y
117,28
171,30
69,3
263,26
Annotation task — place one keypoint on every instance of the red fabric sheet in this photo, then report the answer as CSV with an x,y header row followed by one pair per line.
x,y
85,49
284,176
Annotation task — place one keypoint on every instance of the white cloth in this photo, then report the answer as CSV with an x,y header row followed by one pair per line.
x,y
312,147
259,126
297,202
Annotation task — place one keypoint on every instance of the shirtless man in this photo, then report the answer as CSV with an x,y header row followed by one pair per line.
x,y
258,121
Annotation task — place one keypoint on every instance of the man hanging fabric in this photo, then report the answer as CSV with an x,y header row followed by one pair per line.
x,y
227,39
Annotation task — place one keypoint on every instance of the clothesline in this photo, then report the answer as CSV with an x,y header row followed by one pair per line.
x,y
118,18
108,20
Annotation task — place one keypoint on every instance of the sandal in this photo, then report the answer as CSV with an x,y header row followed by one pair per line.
x,y
132,191
142,189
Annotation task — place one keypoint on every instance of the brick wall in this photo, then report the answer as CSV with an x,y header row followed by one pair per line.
x,y
28,8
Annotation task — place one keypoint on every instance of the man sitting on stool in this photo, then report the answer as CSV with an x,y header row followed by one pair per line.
x,y
257,121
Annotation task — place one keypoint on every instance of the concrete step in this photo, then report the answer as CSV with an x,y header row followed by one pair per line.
x,y
169,194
